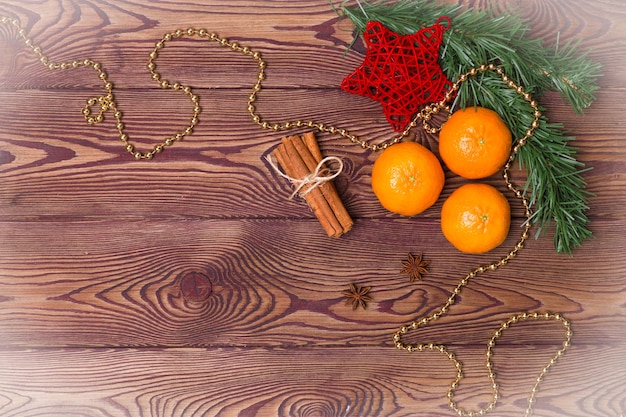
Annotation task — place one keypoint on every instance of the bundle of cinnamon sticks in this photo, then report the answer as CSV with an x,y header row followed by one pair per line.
x,y
299,156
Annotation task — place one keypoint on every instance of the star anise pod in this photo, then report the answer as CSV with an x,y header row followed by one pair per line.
x,y
357,296
415,267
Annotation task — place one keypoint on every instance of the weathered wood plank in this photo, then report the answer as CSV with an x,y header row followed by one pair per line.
x,y
154,114
308,34
298,382
59,166
279,283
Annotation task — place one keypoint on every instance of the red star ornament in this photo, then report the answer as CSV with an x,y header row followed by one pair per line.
x,y
400,71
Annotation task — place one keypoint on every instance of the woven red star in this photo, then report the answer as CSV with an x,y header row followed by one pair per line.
x,y
401,72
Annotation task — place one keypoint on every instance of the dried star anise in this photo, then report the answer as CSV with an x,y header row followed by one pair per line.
x,y
415,267
357,296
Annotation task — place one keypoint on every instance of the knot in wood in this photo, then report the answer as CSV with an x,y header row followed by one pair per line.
x,y
195,287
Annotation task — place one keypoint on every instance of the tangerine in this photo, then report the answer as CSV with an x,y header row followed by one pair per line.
x,y
475,142
407,178
476,218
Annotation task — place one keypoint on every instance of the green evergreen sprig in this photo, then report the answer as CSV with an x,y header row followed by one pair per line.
x,y
554,177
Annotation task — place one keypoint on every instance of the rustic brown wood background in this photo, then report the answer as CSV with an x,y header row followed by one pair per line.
x,y
93,245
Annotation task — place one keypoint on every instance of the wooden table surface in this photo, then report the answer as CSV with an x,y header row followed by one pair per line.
x,y
190,285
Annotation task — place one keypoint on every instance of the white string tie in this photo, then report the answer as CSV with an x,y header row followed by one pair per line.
x,y
313,180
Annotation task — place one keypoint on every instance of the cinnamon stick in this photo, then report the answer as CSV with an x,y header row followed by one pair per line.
x,y
295,167
283,159
299,157
309,151
309,140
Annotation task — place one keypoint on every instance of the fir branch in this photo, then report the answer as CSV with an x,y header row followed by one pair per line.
x,y
554,181
556,186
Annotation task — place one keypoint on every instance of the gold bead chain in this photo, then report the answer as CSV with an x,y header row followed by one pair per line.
x,y
426,115
107,102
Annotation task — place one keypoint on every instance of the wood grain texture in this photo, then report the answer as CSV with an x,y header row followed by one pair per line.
x,y
295,382
219,160
95,320
122,288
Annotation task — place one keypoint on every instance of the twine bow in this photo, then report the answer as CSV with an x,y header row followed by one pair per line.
x,y
313,180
